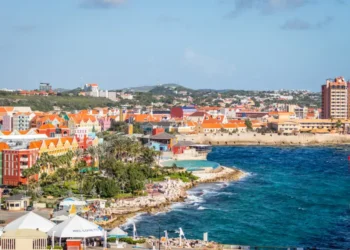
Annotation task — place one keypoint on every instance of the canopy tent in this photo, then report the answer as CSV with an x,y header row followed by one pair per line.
x,y
117,233
60,218
30,220
76,227
72,201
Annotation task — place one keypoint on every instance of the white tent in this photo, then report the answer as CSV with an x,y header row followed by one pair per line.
x,y
72,201
30,220
118,233
76,227
60,218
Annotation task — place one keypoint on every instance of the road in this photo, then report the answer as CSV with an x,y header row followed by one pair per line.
x,y
8,216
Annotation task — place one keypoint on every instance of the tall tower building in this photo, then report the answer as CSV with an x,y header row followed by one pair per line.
x,y
335,99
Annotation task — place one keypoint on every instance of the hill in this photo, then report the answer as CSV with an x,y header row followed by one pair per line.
x,y
46,103
151,87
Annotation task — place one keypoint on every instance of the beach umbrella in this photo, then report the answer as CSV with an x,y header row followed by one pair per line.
x,y
72,210
117,233
30,220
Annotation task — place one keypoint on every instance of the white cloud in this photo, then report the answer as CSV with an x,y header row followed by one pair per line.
x,y
206,64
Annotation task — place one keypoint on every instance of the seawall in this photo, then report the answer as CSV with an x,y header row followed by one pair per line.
x,y
252,138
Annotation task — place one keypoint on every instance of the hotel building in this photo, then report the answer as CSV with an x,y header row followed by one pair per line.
x,y
335,99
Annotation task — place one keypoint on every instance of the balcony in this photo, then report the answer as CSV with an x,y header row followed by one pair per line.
x,y
23,166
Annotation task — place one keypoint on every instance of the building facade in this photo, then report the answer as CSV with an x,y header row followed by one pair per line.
x,y
335,99
14,162
21,121
45,87
6,123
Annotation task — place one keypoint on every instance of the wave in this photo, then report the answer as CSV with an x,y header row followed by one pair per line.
x,y
130,221
194,199
201,208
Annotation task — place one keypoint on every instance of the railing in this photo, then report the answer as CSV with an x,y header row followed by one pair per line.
x,y
24,159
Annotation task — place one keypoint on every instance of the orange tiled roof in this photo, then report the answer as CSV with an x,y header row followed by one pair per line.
x,y
35,144
211,125
47,126
3,145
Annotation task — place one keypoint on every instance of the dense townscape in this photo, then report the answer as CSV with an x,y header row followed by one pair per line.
x,y
106,164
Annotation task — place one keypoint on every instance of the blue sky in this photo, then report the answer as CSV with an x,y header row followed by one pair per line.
x,y
236,44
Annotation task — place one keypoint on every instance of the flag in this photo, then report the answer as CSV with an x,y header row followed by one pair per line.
x,y
166,234
181,232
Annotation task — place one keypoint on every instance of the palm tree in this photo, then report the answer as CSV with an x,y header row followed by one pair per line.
x,y
92,152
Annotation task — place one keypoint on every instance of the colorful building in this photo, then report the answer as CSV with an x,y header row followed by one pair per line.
x,y
51,131
14,162
21,120
105,123
3,146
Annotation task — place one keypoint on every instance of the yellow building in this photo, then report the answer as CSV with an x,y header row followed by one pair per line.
x,y
56,146
286,127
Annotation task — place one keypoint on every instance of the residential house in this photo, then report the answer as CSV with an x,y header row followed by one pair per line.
x,y
105,123
51,131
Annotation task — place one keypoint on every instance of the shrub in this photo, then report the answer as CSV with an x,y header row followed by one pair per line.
x,y
55,247
131,241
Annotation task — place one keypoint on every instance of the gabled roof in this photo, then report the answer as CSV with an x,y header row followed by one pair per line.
x,y
3,145
47,126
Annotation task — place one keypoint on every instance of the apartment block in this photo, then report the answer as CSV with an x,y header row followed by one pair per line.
x,y
335,99
14,161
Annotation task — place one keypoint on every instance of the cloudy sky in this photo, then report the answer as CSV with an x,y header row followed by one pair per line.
x,y
238,44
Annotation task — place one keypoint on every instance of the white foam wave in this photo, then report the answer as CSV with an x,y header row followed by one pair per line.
x,y
130,221
201,208
194,199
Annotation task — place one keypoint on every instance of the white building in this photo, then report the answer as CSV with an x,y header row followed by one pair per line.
x,y
92,89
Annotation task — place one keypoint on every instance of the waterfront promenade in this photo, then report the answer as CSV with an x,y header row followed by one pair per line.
x,y
252,138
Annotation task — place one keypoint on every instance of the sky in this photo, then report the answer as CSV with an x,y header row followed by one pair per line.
x,y
218,44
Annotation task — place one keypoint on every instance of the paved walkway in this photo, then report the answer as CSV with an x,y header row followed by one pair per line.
x,y
8,216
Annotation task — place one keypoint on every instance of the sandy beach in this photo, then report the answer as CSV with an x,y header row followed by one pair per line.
x,y
159,196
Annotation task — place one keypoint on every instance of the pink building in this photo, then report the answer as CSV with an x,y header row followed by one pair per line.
x,y
105,123
6,123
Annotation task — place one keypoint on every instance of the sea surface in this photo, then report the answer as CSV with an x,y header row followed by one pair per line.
x,y
293,196
192,165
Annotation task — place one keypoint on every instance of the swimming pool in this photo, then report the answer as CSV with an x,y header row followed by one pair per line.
x,y
192,165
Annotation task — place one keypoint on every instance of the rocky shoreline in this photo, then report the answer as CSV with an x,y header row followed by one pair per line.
x,y
220,174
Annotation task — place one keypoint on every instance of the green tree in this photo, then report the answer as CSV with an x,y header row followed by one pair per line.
x,y
248,124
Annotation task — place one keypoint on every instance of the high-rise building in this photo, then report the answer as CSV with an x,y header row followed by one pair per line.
x,y
335,99
45,87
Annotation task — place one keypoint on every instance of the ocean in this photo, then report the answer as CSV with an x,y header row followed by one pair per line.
x,y
293,196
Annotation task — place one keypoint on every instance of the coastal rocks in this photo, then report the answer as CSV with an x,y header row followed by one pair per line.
x,y
175,191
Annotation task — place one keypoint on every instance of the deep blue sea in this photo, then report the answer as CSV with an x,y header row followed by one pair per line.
x,y
293,196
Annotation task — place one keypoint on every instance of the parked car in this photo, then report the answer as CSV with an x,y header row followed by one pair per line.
x,y
6,192
30,208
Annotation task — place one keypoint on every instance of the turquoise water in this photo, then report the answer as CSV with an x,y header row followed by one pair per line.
x,y
294,196
192,165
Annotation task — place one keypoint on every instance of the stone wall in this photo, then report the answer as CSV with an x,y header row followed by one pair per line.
x,y
267,139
